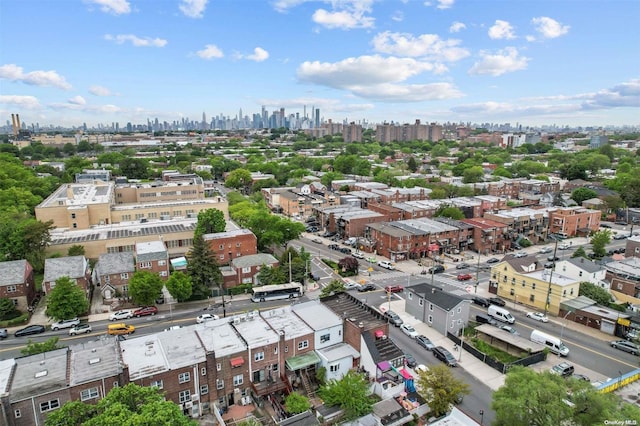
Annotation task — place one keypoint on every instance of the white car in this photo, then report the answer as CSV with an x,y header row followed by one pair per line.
x,y
520,254
564,246
545,250
409,330
421,368
350,284
358,255
206,317
80,329
386,264
68,323
120,315
537,316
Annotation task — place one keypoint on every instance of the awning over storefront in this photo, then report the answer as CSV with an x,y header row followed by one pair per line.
x,y
237,361
302,361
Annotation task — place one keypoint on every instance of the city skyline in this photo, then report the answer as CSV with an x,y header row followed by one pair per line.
x,y
118,61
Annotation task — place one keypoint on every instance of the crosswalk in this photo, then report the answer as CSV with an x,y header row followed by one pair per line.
x,y
448,284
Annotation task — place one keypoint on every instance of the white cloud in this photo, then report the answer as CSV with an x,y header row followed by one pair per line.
x,y
26,102
116,7
344,19
456,27
210,51
376,77
259,55
507,60
193,8
445,4
397,16
99,91
284,5
35,78
501,30
625,94
77,100
426,46
549,28
136,41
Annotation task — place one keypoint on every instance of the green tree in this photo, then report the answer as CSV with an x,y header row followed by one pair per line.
x,y
571,171
580,252
210,221
130,405
348,265
66,300
144,287
134,168
594,292
531,398
599,240
412,164
203,269
179,286
473,174
8,309
334,286
238,179
351,393
450,212
75,250
23,237
440,388
34,348
295,403
581,194
272,275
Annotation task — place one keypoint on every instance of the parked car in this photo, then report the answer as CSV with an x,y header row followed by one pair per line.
x,y
68,323
345,250
445,356
620,236
425,342
328,234
120,315
605,225
520,254
4,333
410,361
334,246
316,240
386,264
493,260
553,258
537,316
564,246
563,369
632,334
144,311
478,300
366,287
393,318
581,377
549,265
497,301
358,255
464,277
349,284
80,329
394,289
545,250
436,269
463,265
509,329
29,330
421,368
409,330
312,229
627,346
206,317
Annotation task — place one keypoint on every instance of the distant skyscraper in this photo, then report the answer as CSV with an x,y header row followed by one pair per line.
x,y
203,125
317,118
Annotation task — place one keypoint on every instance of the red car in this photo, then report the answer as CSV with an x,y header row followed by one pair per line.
x,y
147,310
464,277
394,289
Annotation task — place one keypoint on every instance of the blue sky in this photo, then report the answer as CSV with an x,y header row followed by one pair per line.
x,y
533,62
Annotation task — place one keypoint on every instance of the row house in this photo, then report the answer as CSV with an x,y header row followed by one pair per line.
x,y
17,283
400,195
392,213
245,269
347,221
418,209
36,385
524,280
624,276
584,270
75,268
113,272
415,238
444,312
488,236
362,199
632,248
537,186
574,221
230,245
503,189
153,256
523,223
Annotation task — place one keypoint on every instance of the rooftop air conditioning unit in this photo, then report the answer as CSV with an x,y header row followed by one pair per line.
x,y
188,404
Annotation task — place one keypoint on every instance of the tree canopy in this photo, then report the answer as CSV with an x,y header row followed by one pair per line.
x,y
581,194
34,348
440,388
144,287
203,269
350,393
593,292
179,286
599,240
66,300
210,221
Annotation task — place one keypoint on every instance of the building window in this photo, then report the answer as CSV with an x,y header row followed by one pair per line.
x,y
17,414
533,286
184,377
162,262
246,270
334,368
222,257
524,283
410,296
580,273
218,366
73,215
564,293
286,349
184,396
303,345
219,383
163,273
459,310
221,247
124,276
11,288
156,384
431,306
274,367
259,356
204,389
512,292
325,338
87,394
145,265
49,405
75,225
421,302
203,371
571,292
430,319
238,380
532,298
453,323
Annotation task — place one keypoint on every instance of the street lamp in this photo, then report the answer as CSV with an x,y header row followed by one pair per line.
x,y
563,321
481,417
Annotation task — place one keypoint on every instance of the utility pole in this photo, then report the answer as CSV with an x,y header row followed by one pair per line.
x,y
548,301
477,273
290,275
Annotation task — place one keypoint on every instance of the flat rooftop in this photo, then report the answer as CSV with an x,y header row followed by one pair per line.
x,y
254,329
556,278
219,337
93,360
286,320
79,194
39,374
144,356
316,315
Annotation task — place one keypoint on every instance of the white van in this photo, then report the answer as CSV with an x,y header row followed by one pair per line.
x,y
501,314
554,344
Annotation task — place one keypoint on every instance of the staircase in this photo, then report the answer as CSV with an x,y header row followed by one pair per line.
x,y
305,383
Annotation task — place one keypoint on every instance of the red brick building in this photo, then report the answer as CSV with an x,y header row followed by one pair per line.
x,y
74,267
17,283
232,244
574,221
488,235
153,257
